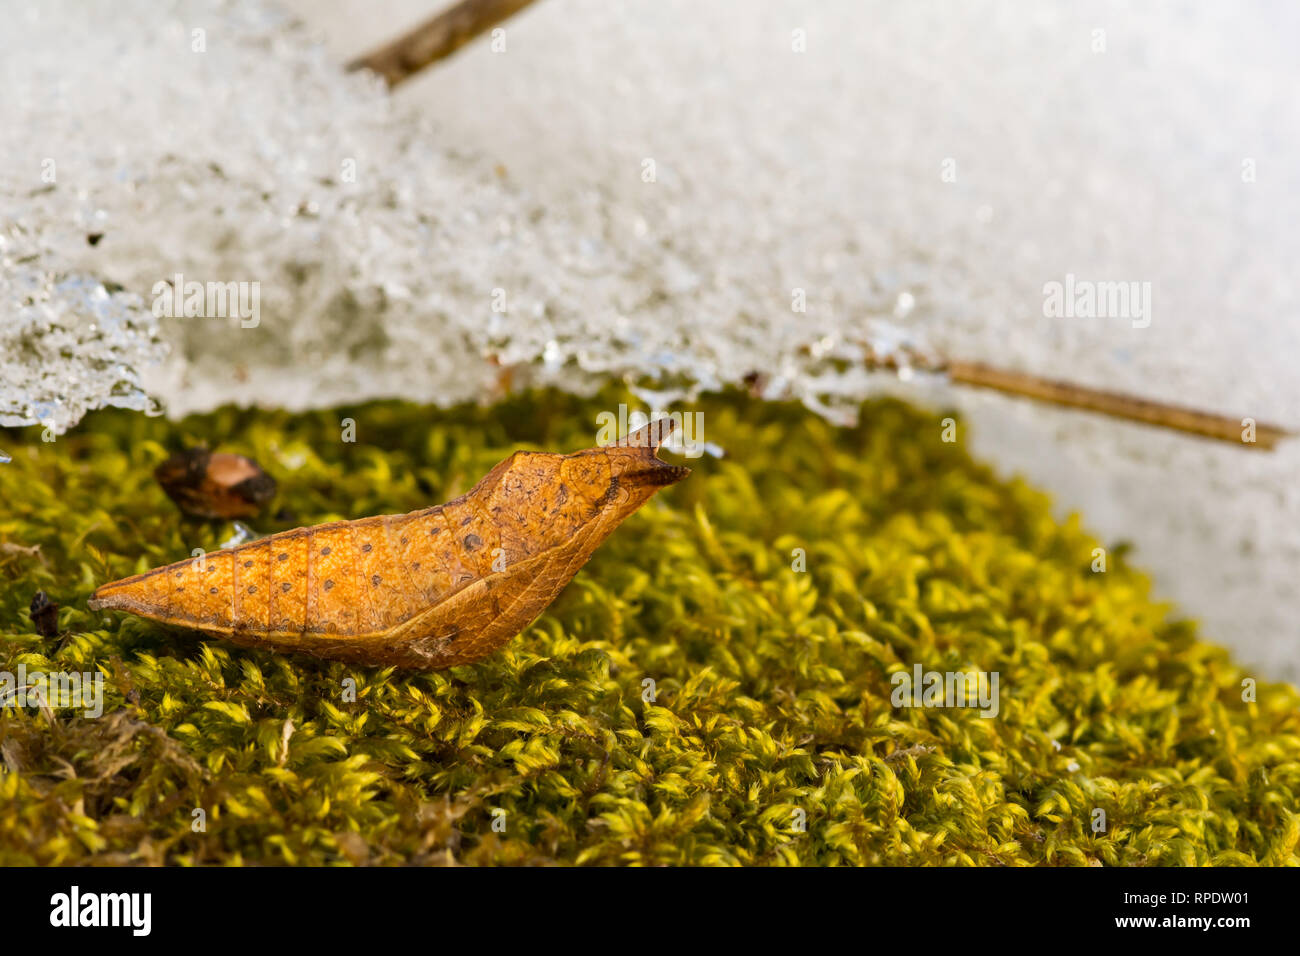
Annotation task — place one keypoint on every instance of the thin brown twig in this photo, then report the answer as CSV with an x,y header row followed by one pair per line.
x,y
1115,404
1238,431
436,38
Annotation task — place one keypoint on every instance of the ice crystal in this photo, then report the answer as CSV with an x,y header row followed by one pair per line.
x,y
385,261
67,343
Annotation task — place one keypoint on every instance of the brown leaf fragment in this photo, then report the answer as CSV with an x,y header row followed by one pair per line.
x,y
427,590
215,485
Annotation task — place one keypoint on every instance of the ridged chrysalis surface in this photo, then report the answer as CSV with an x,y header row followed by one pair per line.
x,y
431,589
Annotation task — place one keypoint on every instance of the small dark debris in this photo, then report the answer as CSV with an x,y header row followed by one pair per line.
x,y
45,615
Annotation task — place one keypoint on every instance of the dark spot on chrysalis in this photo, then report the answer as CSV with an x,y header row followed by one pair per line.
x,y
248,564
212,590
561,495
403,539
416,566
375,579
366,546
284,556
325,550
328,585
252,589
467,521
179,573
285,586
473,542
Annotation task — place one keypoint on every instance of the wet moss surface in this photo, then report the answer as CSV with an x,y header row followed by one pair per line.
x,y
690,698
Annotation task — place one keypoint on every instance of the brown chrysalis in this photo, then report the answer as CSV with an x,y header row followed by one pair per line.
x,y
427,590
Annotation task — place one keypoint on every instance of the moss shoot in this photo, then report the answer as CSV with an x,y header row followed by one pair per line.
x,y
691,698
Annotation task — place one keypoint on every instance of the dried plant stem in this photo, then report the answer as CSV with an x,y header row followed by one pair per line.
x,y
436,38
1115,404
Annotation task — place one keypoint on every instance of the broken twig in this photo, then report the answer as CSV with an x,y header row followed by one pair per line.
x,y
436,38
1116,404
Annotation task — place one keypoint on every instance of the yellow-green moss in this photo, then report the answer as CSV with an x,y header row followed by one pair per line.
x,y
772,690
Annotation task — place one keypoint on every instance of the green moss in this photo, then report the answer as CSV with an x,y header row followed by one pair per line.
x,y
772,687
